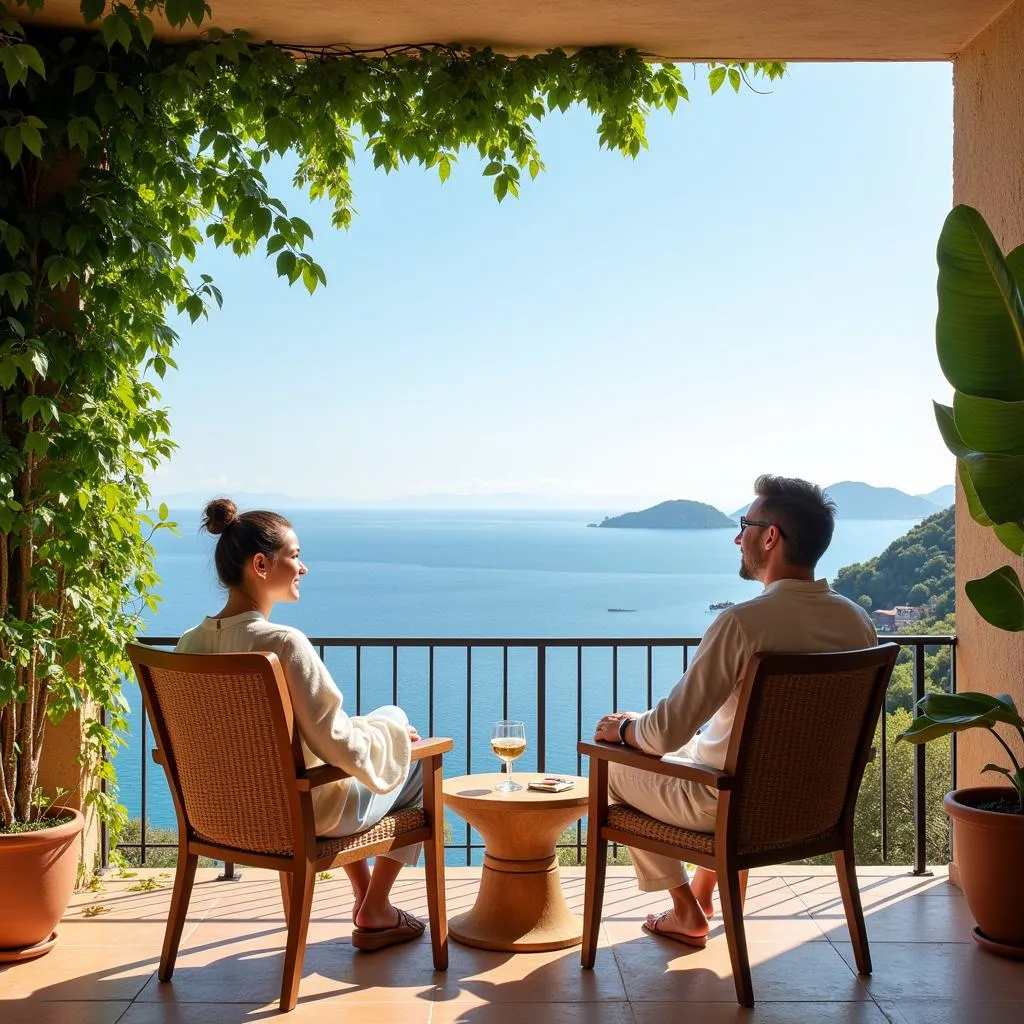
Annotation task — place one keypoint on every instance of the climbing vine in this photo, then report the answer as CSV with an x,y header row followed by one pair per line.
x,y
122,154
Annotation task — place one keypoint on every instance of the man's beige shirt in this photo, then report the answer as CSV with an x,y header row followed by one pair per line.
x,y
788,615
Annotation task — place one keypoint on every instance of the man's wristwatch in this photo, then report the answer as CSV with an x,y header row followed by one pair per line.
x,y
623,725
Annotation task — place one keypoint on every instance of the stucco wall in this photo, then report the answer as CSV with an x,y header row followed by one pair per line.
x,y
988,173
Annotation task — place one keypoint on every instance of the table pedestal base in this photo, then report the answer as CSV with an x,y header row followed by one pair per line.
x,y
520,908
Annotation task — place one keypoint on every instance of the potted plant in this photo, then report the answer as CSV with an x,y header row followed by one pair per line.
x,y
980,342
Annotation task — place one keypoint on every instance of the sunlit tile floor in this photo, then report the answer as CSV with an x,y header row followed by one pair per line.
x,y
927,970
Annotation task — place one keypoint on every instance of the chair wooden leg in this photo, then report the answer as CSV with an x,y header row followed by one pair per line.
x,y
184,878
597,862
744,878
301,906
730,893
286,881
433,856
847,872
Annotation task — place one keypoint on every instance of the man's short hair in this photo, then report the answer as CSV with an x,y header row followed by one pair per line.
x,y
804,513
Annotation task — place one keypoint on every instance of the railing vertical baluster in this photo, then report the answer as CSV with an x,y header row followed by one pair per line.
x,y
430,690
104,832
504,682
469,738
920,808
394,674
579,736
686,657
142,796
359,679
615,677
952,745
883,791
542,701
650,675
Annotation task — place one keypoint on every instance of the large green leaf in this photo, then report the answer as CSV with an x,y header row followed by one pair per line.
x,y
948,429
999,599
999,483
943,713
1010,535
989,424
979,331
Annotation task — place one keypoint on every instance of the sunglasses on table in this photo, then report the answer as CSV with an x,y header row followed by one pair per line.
x,y
745,522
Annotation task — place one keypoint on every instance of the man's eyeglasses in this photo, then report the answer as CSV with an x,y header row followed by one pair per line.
x,y
745,522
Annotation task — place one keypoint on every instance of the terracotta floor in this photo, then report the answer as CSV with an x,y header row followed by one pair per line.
x,y
927,968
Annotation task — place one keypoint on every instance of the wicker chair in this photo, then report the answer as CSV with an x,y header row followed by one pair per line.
x,y
801,739
226,737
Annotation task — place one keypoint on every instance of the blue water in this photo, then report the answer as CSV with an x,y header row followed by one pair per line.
x,y
479,575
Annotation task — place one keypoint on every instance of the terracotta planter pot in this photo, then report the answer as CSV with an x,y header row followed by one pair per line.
x,y
37,877
989,850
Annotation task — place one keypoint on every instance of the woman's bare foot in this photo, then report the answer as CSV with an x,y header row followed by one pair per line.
x,y
702,887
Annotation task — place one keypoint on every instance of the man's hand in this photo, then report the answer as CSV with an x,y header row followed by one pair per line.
x,y
607,730
413,734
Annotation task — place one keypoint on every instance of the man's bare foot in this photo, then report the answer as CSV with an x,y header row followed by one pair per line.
x,y
377,917
668,925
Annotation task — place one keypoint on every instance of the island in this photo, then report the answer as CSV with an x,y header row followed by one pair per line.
x,y
672,515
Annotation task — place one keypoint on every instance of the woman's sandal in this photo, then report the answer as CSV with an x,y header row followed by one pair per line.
x,y
694,941
407,928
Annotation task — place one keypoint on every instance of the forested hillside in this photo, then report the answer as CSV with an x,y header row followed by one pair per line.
x,y
916,569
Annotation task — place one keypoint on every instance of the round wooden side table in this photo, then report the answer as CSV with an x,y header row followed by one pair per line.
x,y
520,906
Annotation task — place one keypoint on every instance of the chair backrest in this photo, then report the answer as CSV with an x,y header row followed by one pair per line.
x,y
225,727
801,739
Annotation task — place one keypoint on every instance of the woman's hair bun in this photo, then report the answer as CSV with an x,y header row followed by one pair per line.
x,y
219,515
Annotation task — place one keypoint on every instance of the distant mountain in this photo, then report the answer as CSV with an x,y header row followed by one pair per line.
x,y
943,496
672,515
862,501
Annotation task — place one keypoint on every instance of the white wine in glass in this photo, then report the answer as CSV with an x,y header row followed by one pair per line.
x,y
508,741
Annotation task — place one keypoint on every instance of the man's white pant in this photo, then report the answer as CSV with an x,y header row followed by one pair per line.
x,y
674,801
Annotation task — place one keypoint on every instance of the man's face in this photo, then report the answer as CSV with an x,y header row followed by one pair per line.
x,y
752,557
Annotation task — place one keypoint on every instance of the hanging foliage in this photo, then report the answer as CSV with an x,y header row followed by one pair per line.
x,y
122,155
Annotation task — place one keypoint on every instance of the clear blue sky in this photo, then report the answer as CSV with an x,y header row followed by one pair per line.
x,y
756,292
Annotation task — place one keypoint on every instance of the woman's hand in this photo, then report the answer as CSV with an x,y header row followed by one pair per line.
x,y
607,730
413,734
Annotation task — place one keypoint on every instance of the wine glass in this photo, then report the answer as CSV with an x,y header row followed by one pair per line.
x,y
508,741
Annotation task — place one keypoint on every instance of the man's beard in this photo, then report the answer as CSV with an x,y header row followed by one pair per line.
x,y
747,571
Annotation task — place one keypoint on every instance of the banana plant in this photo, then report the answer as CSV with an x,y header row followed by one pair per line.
x,y
979,335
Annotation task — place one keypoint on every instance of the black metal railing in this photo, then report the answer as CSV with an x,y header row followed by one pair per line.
x,y
459,685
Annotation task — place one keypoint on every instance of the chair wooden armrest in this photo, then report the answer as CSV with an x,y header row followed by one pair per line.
x,y
158,755
668,765
433,746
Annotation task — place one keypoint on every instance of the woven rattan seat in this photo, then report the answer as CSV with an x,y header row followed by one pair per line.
x,y
629,819
226,737
801,738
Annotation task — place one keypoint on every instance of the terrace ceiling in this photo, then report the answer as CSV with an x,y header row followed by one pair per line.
x,y
678,29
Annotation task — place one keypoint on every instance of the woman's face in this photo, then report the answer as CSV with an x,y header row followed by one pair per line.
x,y
286,570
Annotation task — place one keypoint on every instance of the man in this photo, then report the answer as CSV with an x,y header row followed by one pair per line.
x,y
787,529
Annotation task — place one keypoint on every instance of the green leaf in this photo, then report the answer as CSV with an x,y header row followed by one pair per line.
x,y
92,9
285,264
36,442
163,512
715,79
31,139
948,429
997,768
30,58
734,79
84,78
12,145
999,599
979,331
989,424
997,481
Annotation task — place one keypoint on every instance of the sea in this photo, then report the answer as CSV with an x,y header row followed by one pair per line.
x,y
480,574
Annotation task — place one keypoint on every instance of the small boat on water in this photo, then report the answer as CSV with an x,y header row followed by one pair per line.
x,y
622,609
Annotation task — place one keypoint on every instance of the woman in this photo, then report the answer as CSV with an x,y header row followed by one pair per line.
x,y
257,559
